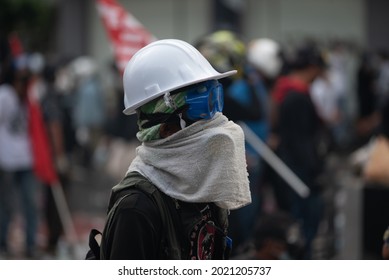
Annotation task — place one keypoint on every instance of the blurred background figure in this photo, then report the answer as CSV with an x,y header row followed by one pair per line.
x,y
117,124
332,94
383,79
367,118
88,108
265,62
16,157
277,236
296,128
54,120
116,147
42,91
265,56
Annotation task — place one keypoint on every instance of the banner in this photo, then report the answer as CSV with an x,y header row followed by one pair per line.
x,y
15,44
43,163
126,33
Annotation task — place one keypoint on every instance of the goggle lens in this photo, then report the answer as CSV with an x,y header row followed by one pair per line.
x,y
205,100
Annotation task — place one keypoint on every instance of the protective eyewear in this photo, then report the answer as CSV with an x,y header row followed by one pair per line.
x,y
204,100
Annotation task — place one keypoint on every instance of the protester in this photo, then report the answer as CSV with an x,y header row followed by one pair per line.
x,y
265,56
120,130
118,125
53,119
88,114
367,119
16,159
296,126
192,157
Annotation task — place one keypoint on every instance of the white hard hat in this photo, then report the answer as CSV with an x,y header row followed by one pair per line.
x,y
264,54
161,67
36,62
83,66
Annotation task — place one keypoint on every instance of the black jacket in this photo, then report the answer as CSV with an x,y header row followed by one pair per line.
x,y
138,229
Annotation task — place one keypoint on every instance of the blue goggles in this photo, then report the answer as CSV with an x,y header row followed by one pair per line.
x,y
204,100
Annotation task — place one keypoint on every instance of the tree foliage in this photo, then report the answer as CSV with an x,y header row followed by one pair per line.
x,y
32,20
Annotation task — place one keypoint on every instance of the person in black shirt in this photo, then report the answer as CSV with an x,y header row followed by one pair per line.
x,y
191,153
296,126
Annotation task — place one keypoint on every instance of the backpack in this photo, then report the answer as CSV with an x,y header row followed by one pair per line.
x,y
134,182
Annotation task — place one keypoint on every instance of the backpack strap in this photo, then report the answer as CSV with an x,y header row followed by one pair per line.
x,y
173,247
94,252
134,180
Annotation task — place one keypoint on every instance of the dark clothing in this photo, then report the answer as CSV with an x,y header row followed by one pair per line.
x,y
138,230
246,107
52,113
366,78
384,127
298,127
51,108
119,125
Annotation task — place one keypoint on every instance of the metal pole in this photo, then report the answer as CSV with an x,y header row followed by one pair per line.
x,y
64,213
275,162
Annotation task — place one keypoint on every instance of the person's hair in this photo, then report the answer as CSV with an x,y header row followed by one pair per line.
x,y
307,56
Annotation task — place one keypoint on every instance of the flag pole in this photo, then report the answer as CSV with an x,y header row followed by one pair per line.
x,y
64,213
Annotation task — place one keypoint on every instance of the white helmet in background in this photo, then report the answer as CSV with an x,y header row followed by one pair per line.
x,y
83,67
36,63
161,67
264,54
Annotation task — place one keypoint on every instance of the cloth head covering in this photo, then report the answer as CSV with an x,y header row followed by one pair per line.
x,y
154,107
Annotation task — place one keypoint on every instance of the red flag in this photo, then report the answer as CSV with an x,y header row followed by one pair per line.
x,y
126,33
41,150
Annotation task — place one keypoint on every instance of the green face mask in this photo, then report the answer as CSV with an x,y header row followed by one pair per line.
x,y
155,107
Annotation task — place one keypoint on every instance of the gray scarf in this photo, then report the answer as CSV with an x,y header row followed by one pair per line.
x,y
204,162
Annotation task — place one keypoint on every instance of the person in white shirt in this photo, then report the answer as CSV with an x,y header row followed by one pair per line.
x,y
16,162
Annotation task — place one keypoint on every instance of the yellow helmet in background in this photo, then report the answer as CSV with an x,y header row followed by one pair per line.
x,y
224,50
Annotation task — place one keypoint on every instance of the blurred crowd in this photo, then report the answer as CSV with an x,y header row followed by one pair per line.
x,y
57,120
306,101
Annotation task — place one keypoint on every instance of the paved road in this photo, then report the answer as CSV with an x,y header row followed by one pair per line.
x,y
88,195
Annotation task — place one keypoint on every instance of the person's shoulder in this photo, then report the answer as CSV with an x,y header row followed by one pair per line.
x,y
135,198
7,91
135,195
138,206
